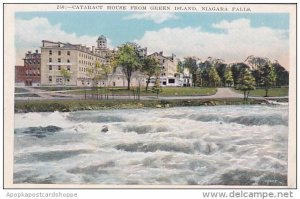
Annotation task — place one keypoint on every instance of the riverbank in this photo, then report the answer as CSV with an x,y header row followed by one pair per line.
x,y
77,105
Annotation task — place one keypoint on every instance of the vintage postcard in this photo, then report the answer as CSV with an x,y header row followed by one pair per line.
x,y
150,95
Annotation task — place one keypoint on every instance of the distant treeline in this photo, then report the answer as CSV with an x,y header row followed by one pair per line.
x,y
215,72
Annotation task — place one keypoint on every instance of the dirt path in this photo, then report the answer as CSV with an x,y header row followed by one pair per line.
x,y
221,93
227,93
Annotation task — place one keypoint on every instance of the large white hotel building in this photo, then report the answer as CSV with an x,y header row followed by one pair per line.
x,y
78,59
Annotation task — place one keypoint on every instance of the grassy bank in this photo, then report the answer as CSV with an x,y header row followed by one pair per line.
x,y
122,91
76,105
273,92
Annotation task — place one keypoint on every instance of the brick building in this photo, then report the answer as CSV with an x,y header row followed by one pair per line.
x,y
20,76
30,73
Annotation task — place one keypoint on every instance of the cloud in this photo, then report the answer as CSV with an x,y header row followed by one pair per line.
x,y
236,41
30,33
152,16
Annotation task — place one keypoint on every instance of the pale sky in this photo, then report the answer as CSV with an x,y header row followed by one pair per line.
x,y
228,36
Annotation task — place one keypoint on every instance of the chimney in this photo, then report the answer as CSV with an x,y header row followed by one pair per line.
x,y
161,52
93,49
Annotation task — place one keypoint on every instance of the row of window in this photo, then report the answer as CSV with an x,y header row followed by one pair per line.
x,y
58,79
86,56
59,52
83,69
85,62
58,60
91,63
58,67
30,61
32,72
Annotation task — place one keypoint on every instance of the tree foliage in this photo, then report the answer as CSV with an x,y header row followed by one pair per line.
x,y
282,75
95,73
128,59
214,77
264,72
150,67
180,67
66,74
228,77
191,64
246,82
237,71
268,77
157,88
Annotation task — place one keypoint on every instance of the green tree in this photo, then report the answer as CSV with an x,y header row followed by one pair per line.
x,y
128,59
150,68
246,83
257,64
180,67
268,77
206,66
237,69
157,88
282,75
198,81
214,77
228,77
66,74
191,64
95,73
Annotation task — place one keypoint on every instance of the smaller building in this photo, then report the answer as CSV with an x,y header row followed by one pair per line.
x,y
32,64
20,76
168,70
30,73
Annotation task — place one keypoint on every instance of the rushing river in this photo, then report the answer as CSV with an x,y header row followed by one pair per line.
x,y
220,145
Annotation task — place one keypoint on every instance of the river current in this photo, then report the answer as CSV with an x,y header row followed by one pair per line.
x,y
220,145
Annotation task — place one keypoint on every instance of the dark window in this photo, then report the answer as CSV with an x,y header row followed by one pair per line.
x,y
68,53
68,67
164,83
50,52
59,60
171,81
59,67
50,67
59,52
50,59
50,78
68,61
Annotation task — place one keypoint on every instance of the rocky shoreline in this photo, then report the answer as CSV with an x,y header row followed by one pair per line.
x,y
78,105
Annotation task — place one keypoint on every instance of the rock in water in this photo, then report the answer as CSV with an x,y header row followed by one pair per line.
x,y
104,129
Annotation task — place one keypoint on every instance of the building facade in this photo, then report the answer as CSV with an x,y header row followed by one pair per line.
x,y
168,70
30,73
20,76
77,59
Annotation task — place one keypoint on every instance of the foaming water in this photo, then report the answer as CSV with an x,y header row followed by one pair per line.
x,y
222,145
